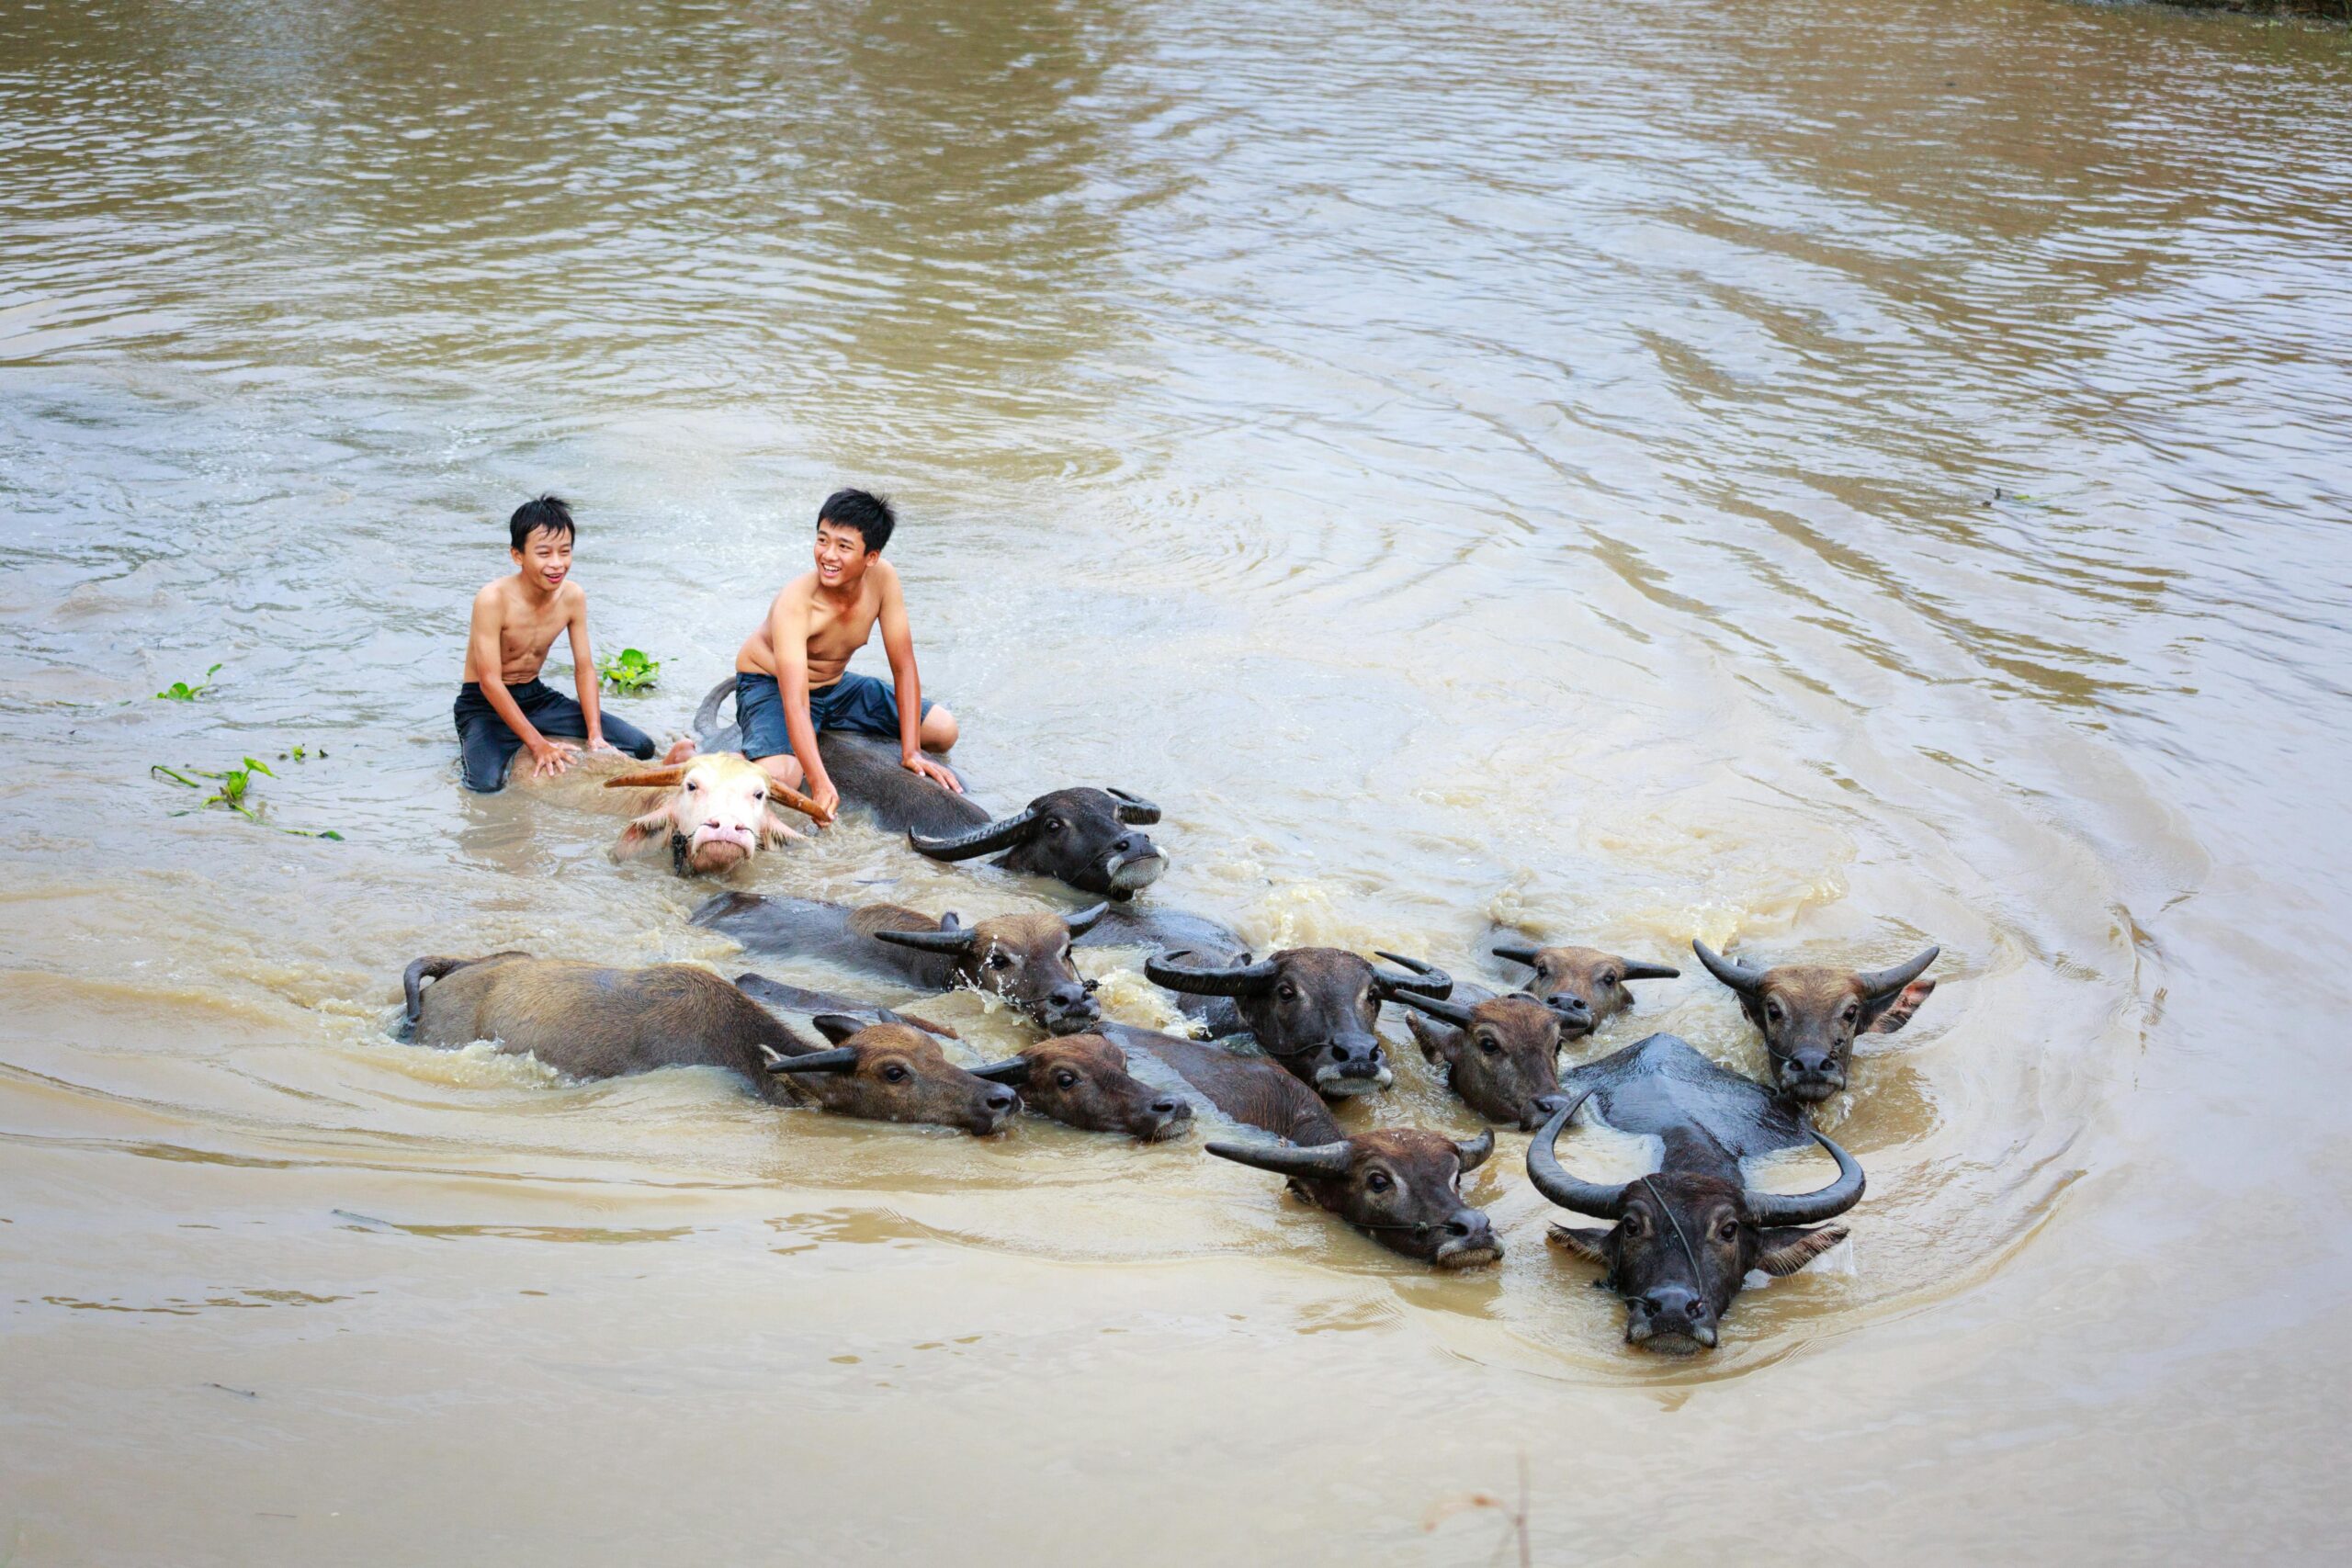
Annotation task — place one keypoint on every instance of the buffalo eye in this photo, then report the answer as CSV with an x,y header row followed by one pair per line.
x,y
1610,978
1773,1011
1487,1044
1066,1078
1287,991
1637,1224
1055,824
894,1074
999,961
692,785
1853,1011
758,795
1378,1181
1727,1231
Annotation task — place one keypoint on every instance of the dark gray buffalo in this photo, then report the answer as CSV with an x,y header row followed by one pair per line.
x,y
1809,1013
1024,959
1681,1241
1311,1008
591,1022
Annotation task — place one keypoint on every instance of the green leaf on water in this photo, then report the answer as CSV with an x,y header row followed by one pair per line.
x,y
182,692
631,670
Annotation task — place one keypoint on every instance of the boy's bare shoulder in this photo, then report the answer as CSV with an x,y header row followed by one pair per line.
x,y
494,595
798,591
572,596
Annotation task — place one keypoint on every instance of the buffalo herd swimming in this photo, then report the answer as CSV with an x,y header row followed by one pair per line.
x,y
1289,1036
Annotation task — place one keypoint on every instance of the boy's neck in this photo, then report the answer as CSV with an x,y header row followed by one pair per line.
x,y
847,591
535,589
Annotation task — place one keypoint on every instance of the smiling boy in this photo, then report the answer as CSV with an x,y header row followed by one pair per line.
x,y
791,674
504,707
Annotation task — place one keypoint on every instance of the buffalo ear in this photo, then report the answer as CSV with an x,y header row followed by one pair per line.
x,y
1439,1043
837,1027
643,829
1787,1250
774,830
1898,1012
1589,1245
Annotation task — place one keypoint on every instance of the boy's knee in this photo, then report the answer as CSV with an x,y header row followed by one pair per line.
x,y
939,729
784,768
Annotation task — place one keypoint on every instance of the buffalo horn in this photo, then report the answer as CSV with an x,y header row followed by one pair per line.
x,y
1739,976
1133,809
1473,1152
1569,1193
1012,1070
1808,1208
1637,970
1877,982
1083,921
988,837
1288,1159
660,778
950,938
1245,980
841,1061
1517,952
1454,1013
1426,979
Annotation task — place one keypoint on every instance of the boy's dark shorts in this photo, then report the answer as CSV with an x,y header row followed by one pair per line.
x,y
490,747
856,703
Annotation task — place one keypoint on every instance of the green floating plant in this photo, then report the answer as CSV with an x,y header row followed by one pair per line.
x,y
630,672
181,692
237,787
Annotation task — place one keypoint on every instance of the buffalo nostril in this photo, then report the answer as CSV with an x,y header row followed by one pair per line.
x,y
1001,1099
1461,1228
1695,1310
1166,1106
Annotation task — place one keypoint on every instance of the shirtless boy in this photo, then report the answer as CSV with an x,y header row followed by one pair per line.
x,y
791,677
504,707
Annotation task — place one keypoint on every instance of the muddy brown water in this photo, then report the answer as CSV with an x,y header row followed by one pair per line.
x,y
1824,478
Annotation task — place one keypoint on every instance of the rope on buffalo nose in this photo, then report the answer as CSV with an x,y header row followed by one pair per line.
x,y
1693,1258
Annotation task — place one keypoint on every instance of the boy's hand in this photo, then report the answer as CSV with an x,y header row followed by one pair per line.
x,y
598,743
822,792
936,773
549,757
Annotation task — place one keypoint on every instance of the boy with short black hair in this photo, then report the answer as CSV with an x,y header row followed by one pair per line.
x,y
504,707
791,674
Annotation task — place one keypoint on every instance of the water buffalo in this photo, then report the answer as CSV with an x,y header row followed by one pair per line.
x,y
1079,1080
1311,1008
1086,837
1502,1055
1585,985
592,1023
1403,1184
1682,1239
1811,1013
712,810
1023,958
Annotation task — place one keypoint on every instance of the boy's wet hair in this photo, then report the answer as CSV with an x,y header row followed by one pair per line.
x,y
863,510
551,512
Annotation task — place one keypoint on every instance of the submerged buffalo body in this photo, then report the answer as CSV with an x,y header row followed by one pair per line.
x,y
593,1022
1024,959
1681,1241
1313,1010
1811,1013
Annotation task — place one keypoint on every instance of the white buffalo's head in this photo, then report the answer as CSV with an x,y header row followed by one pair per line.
x,y
715,811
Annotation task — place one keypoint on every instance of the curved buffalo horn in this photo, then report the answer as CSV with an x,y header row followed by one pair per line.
x,y
1133,809
1243,980
1012,1070
1454,1013
1426,979
1877,982
1635,971
1517,952
841,1061
659,778
1806,1208
1473,1152
837,1026
1083,921
949,938
1739,976
1569,1193
1288,1159
988,837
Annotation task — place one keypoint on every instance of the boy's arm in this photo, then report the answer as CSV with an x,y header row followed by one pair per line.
x,y
584,674
788,634
547,756
899,642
